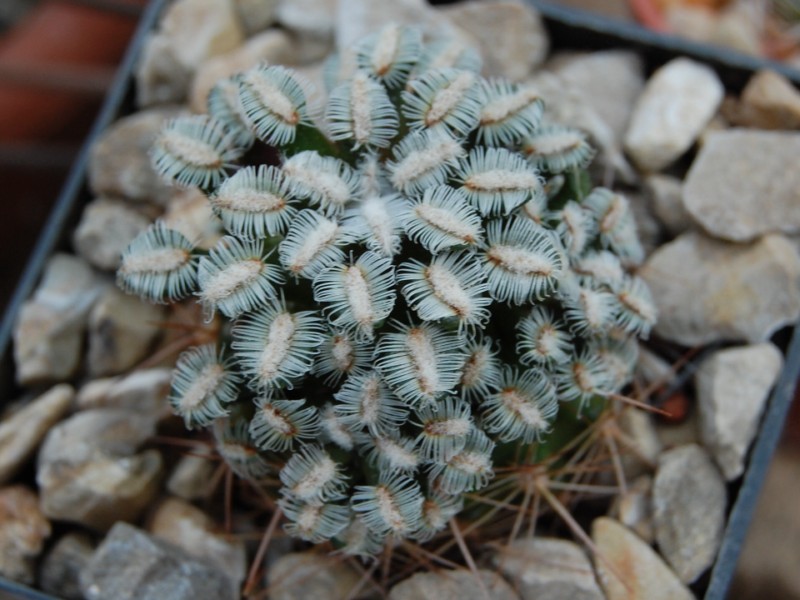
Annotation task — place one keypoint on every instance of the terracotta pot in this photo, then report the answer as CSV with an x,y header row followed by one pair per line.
x,y
54,62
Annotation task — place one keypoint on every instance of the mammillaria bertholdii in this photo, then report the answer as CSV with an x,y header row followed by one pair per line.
x,y
411,293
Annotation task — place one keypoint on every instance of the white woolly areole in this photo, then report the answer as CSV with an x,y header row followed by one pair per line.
x,y
161,260
451,427
433,514
395,454
361,108
275,420
554,143
272,97
337,432
423,358
501,180
189,149
315,242
447,288
474,367
203,384
448,98
583,377
519,261
309,516
594,307
472,463
389,511
548,340
328,185
232,278
420,162
249,200
311,484
370,400
385,49
357,291
444,220
342,352
379,221
519,405
276,349
509,104
638,305
617,210
573,219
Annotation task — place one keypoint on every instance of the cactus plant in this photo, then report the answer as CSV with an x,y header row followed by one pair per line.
x,y
420,291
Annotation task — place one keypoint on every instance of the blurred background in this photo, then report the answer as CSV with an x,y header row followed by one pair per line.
x,y
58,58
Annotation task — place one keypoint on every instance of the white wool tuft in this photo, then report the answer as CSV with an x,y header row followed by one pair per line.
x,y
161,260
506,105
520,261
189,149
232,278
423,358
277,348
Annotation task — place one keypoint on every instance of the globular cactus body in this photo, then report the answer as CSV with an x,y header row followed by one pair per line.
x,y
409,291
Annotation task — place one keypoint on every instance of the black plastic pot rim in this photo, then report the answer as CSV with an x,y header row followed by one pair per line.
x,y
621,34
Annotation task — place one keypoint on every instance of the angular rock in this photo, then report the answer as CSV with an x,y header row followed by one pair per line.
x,y
303,575
314,19
610,81
676,104
453,585
634,508
122,328
511,36
112,431
86,473
255,15
737,27
102,490
131,565
200,29
694,22
22,432
189,528
732,388
145,391
644,573
160,77
689,499
770,101
61,568
49,331
707,290
189,212
119,164
548,569
23,530
273,46
640,445
191,476
666,199
105,230
745,183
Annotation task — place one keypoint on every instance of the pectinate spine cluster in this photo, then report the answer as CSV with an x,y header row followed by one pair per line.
x,y
408,289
